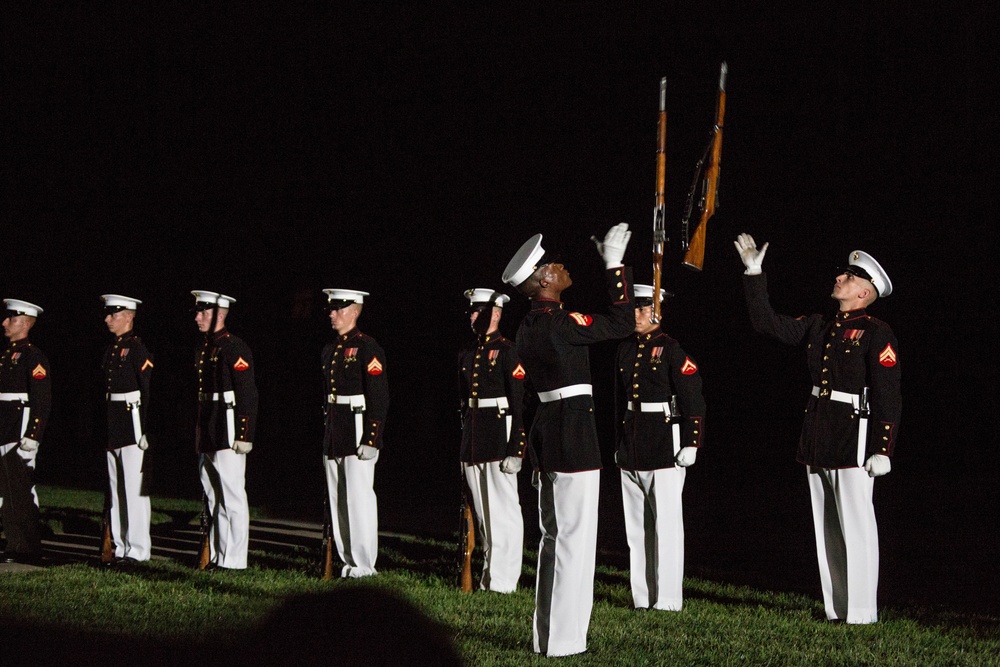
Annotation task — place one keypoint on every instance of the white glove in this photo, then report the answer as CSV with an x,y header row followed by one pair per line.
x,y
878,465
612,249
511,465
28,445
143,443
367,452
751,257
240,446
686,456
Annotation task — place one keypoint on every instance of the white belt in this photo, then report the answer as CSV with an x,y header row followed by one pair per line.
x,y
227,397
8,396
357,403
663,407
498,402
839,396
565,392
353,400
855,401
128,397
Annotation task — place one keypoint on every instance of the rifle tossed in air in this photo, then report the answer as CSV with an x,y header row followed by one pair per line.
x,y
659,203
694,257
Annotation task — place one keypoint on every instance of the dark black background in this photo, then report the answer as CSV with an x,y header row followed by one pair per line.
x,y
269,151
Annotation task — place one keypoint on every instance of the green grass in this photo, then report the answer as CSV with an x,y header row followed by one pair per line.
x,y
168,613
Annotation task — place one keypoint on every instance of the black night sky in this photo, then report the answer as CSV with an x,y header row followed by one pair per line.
x,y
269,151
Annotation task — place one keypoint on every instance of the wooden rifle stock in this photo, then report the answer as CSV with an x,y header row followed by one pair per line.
x,y
327,544
107,544
468,544
659,204
204,548
694,258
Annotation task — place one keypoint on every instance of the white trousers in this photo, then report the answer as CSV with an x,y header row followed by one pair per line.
x,y
846,542
223,475
130,511
354,509
654,526
564,589
499,523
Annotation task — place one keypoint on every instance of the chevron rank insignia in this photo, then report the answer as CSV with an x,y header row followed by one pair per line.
x,y
374,366
518,372
581,319
689,367
887,357
39,373
145,365
241,364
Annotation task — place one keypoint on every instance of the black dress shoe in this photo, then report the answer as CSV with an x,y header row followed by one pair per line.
x,y
24,559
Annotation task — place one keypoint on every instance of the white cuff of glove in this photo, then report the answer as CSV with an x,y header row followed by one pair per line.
x,y
878,465
242,446
366,452
511,465
143,443
686,456
28,445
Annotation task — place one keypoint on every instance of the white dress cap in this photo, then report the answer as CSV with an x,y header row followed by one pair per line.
x,y
646,292
346,295
22,307
206,298
876,274
524,262
481,296
120,302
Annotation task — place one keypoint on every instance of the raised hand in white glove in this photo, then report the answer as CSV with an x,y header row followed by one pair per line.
x,y
511,465
242,446
143,443
878,465
612,248
751,257
27,445
686,456
366,452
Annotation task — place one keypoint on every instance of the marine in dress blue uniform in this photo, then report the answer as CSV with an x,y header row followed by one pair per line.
x,y
553,346
127,368
851,419
491,381
660,417
25,403
227,418
356,390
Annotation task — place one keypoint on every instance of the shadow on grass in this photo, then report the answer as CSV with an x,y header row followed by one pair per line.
x,y
71,536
